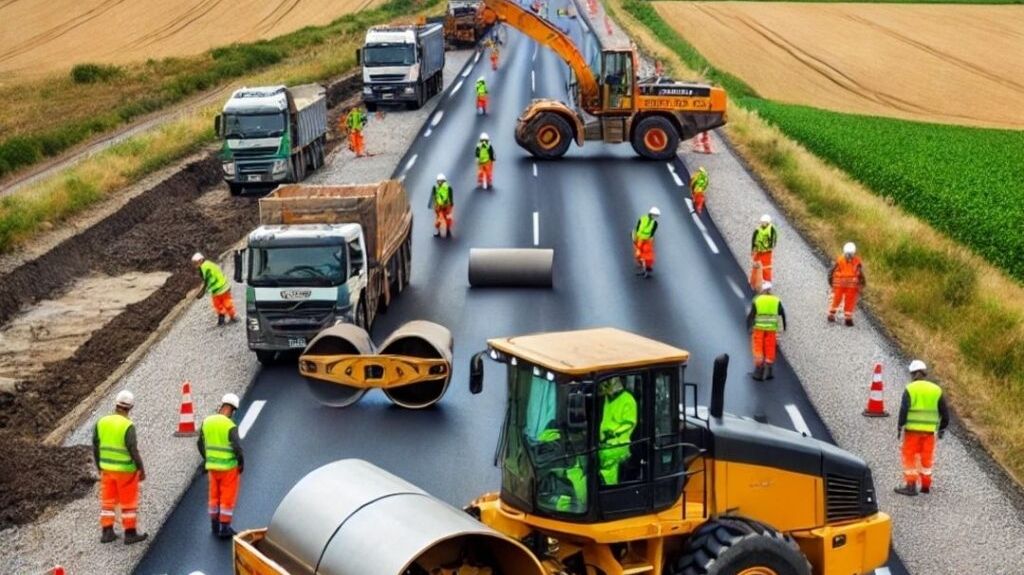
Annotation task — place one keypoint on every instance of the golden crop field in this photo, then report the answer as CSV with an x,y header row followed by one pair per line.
x,y
957,64
41,36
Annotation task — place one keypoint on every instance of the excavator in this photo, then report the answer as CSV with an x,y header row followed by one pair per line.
x,y
612,104
608,467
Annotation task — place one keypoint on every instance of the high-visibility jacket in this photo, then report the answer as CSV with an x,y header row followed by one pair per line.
x,y
846,274
766,312
618,420
220,455
645,228
214,279
442,195
481,88
699,182
765,238
114,455
484,152
356,119
923,414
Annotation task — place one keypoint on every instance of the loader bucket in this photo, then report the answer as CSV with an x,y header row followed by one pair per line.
x,y
425,340
352,518
511,267
341,339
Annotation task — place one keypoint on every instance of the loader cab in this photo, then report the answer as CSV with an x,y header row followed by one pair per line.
x,y
618,75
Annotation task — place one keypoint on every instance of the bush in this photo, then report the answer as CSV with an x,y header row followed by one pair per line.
x,y
92,73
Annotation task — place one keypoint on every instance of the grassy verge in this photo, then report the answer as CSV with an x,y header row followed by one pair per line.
x,y
939,299
44,118
40,206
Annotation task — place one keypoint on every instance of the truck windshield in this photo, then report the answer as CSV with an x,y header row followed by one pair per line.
x,y
253,125
544,454
396,55
297,266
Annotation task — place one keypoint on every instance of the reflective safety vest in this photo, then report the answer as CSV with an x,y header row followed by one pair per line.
x,y
763,238
618,419
114,455
766,312
483,152
220,456
481,88
442,195
847,274
214,279
645,228
699,182
356,119
924,406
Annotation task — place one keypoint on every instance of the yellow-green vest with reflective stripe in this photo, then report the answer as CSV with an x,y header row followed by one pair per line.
x,y
481,88
114,455
214,279
924,406
763,239
766,312
220,456
483,152
356,119
645,228
442,194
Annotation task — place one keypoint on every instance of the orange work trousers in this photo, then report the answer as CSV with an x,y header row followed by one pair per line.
x,y
119,488
481,103
765,259
846,295
485,173
223,304
762,343
494,60
223,494
356,142
698,202
918,457
443,215
643,250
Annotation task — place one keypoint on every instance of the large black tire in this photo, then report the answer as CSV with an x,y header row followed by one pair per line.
x,y
731,545
266,357
548,136
655,138
371,106
362,318
235,189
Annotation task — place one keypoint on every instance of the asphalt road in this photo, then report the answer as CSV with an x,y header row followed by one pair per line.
x,y
583,207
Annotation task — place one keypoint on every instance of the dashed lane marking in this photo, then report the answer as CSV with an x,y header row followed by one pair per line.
x,y
437,118
883,571
536,228
411,162
534,57
250,417
703,230
675,176
798,420
735,288
535,169
533,81
456,88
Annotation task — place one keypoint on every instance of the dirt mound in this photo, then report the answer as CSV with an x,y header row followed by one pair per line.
x,y
28,488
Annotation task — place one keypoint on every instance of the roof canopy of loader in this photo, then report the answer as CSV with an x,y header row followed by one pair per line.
x,y
588,351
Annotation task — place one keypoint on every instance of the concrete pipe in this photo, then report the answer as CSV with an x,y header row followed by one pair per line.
x,y
353,518
427,340
511,267
343,338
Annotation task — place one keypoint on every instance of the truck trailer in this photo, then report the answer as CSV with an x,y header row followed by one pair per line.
x,y
322,255
272,135
402,64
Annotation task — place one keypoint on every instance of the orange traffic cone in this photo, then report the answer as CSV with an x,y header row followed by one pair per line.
x,y
876,399
756,277
187,417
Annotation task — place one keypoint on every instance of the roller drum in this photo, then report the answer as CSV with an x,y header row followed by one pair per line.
x,y
342,338
511,267
420,339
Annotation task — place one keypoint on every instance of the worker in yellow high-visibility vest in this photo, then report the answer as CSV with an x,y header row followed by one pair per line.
x,y
116,451
224,461
923,415
643,241
218,286
765,318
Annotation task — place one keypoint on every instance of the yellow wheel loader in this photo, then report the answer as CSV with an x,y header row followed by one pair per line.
x,y
607,468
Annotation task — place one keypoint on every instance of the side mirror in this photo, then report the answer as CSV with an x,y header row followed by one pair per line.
x,y
359,56
476,373
718,377
576,411
217,128
238,266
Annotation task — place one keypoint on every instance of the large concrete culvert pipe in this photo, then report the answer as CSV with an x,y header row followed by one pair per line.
x,y
509,267
352,518
341,339
422,339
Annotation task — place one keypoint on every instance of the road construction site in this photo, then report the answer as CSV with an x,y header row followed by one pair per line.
x,y
580,206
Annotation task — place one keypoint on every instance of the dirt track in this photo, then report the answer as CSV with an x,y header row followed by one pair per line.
x,y
954,64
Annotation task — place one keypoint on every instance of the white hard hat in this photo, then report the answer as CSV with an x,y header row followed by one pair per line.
x,y
480,79
917,365
125,398
766,286
484,136
230,399
440,177
766,219
654,211
849,248
197,257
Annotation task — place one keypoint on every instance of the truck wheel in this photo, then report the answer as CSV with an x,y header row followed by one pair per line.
x,y
362,318
731,545
655,138
299,168
266,357
371,106
548,136
234,189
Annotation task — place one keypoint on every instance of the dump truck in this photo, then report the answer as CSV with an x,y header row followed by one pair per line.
x,y
466,22
611,103
402,64
322,254
272,135
607,467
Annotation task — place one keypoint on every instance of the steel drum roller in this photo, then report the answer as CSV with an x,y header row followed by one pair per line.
x,y
511,267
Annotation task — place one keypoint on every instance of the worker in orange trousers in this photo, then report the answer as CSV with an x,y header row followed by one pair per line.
x,y
485,162
217,284
224,462
765,318
356,121
494,55
481,96
762,243
699,185
442,199
116,452
847,279
923,414
643,241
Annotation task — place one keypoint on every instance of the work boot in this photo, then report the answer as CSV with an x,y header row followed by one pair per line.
x,y
768,372
233,319
220,319
437,233
831,318
108,535
849,322
215,526
910,489
926,490
226,532
132,536
758,374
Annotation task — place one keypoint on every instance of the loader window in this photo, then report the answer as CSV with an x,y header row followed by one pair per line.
x,y
617,76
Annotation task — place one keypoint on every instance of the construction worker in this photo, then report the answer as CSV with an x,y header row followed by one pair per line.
x,y
923,413
698,185
224,461
764,319
762,242
443,201
846,278
215,282
116,452
485,162
356,121
494,55
643,241
481,96
618,420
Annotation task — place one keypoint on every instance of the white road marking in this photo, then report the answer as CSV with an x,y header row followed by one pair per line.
x,y
467,71
475,60
457,87
535,169
883,571
250,417
533,81
536,228
798,420
735,288
703,230
534,57
437,118
675,176
689,204
428,132
411,162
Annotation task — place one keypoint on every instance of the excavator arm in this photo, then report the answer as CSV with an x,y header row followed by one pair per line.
x,y
546,34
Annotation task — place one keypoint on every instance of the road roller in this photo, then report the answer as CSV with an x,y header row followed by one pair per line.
x,y
607,468
412,367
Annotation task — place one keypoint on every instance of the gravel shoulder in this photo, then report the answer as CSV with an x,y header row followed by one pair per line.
x,y
972,520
